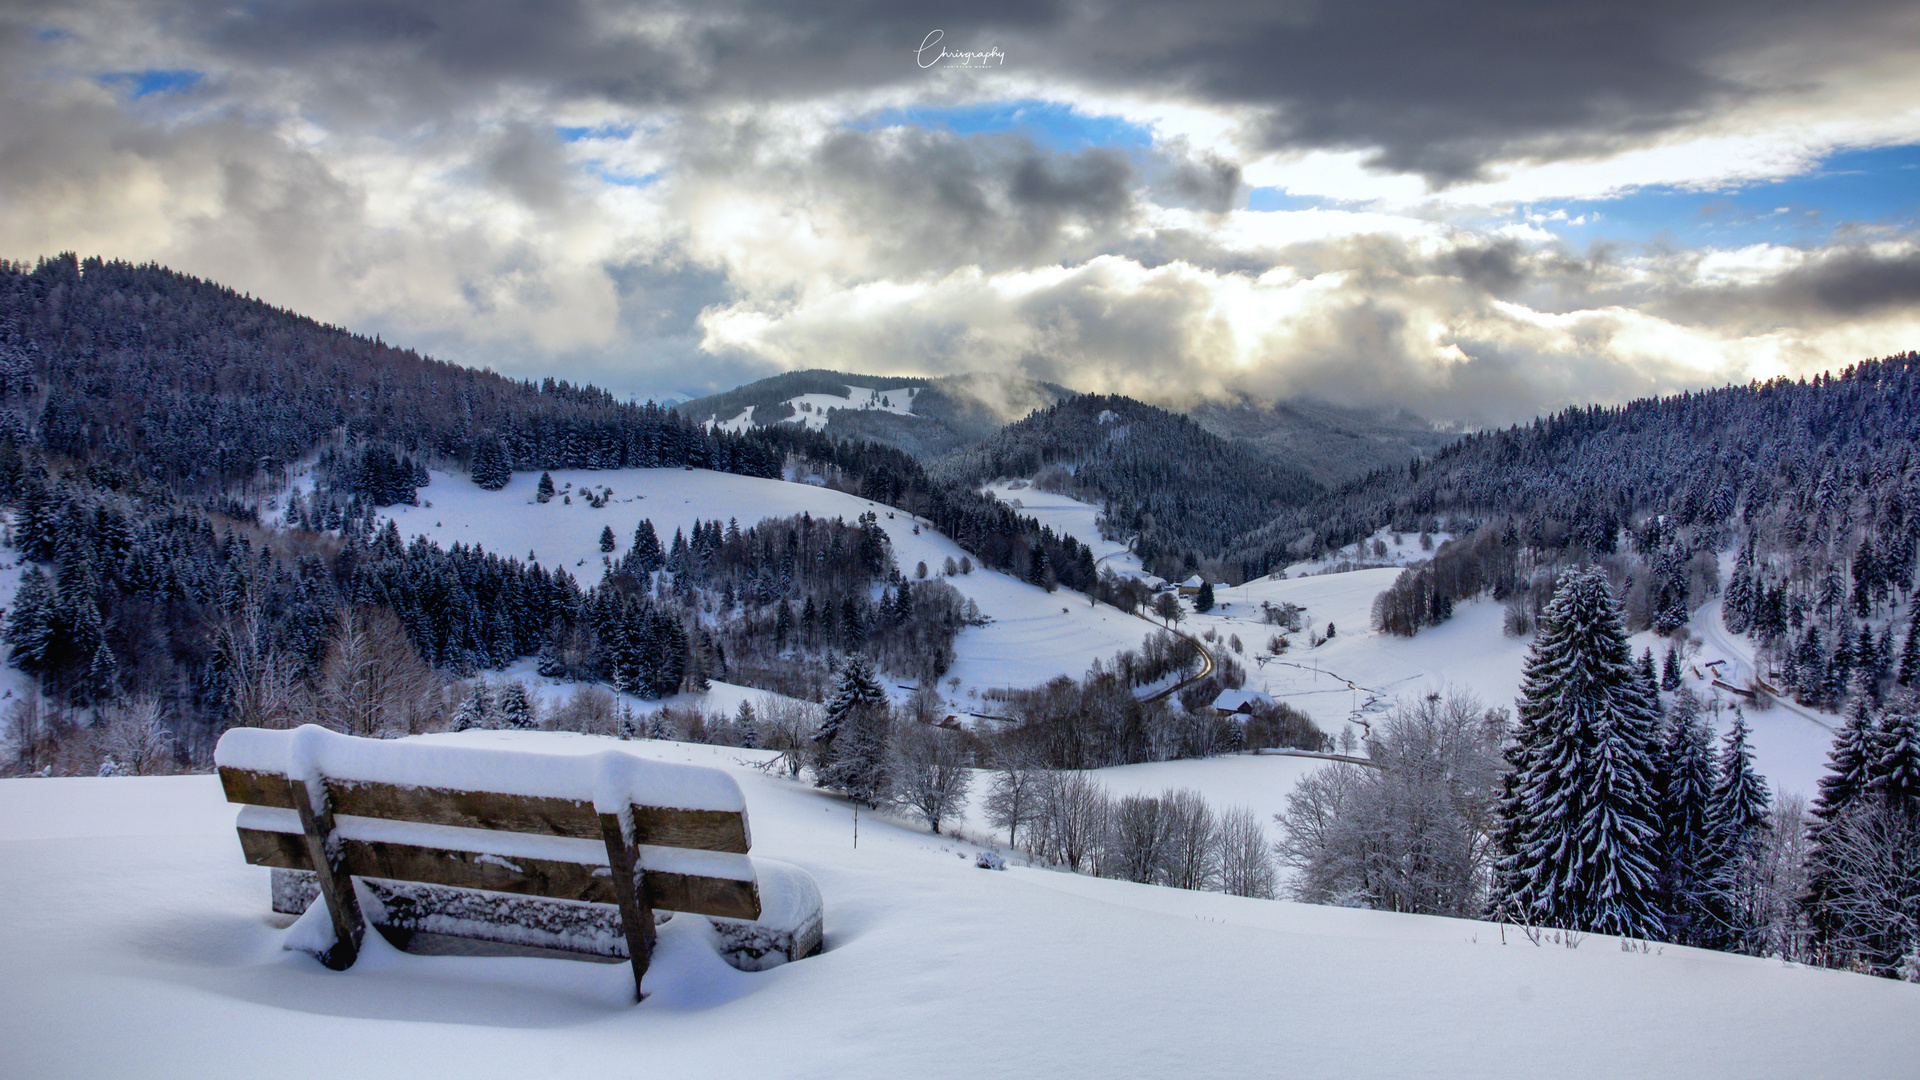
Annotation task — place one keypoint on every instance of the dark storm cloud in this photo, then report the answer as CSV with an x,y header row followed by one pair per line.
x,y
1849,284
1435,88
930,200
1831,287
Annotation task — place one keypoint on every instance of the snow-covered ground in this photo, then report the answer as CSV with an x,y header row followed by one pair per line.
x,y
140,944
810,410
1034,636
1359,673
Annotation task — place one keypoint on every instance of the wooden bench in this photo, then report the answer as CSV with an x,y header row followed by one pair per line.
x,y
530,846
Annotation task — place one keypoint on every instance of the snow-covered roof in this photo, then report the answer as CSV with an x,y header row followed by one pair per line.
x,y
1193,582
1240,700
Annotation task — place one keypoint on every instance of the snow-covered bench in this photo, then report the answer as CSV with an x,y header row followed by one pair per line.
x,y
565,851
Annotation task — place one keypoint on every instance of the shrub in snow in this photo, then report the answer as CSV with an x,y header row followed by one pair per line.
x,y
989,860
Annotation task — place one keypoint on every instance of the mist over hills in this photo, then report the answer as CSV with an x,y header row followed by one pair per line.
x,y
1330,443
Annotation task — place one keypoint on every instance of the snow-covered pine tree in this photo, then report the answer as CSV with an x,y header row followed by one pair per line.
x,y
1578,833
491,468
516,707
1670,670
1843,790
1850,762
476,710
1649,682
851,744
544,491
645,554
1741,817
1894,774
1686,859
607,542
30,625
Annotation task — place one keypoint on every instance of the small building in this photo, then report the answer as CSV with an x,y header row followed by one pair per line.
x,y
1191,586
1240,702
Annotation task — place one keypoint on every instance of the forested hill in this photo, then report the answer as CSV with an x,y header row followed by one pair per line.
x,y
196,387
177,580
1814,485
1183,490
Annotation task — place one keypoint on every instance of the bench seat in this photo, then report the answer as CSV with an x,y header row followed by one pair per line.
x,y
525,846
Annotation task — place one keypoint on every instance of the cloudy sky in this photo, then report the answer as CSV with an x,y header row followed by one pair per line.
x,y
1477,209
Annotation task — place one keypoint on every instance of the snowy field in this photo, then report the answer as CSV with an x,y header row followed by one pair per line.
x,y
1034,634
140,944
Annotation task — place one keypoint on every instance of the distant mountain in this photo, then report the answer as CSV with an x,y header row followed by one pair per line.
x,y
1184,491
1330,443
926,417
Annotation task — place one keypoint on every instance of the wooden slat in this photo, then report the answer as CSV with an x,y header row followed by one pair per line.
x,y
705,830
555,879
255,788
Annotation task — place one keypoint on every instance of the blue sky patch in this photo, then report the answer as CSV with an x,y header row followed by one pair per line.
x,y
603,131
1047,123
1879,187
139,84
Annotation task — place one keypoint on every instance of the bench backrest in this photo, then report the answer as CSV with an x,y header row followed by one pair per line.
x,y
529,821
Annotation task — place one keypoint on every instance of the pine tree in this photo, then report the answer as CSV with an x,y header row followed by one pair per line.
x,y
516,708
476,711
1203,601
1649,683
1686,834
851,745
544,491
607,542
1844,790
30,623
491,468
1670,670
1740,819
1894,773
1578,833
646,554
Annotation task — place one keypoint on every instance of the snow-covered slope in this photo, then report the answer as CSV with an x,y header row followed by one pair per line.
x,y
139,944
1034,635
811,410
1359,673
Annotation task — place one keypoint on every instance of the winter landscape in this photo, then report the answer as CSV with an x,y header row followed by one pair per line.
x,y
1118,540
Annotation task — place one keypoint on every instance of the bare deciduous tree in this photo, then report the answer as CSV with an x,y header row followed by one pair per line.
x,y
1073,820
1416,833
133,739
1193,841
1013,799
590,711
929,772
1246,861
372,681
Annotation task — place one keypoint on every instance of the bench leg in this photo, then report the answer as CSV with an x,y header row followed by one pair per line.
x,y
630,888
336,885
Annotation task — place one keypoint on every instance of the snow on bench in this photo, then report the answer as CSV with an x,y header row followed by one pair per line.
x,y
572,852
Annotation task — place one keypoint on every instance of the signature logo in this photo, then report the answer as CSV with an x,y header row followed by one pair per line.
x,y
927,57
